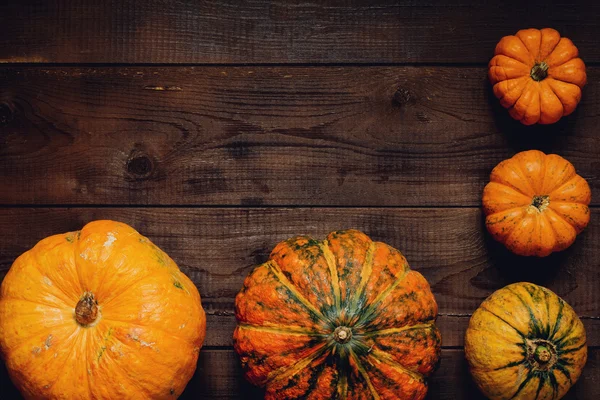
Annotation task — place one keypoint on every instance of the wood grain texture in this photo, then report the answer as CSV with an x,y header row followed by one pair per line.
x,y
350,136
218,247
295,31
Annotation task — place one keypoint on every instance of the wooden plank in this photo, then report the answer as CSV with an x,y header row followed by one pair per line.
x,y
261,31
218,247
380,136
219,376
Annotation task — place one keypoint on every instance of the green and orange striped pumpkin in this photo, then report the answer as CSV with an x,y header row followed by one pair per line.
x,y
525,342
342,318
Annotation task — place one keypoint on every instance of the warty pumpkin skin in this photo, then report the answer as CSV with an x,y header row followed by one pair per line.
x,y
342,318
536,203
524,342
100,313
537,75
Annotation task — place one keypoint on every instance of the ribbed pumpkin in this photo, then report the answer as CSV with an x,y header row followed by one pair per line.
x,y
343,318
536,204
537,75
100,313
524,342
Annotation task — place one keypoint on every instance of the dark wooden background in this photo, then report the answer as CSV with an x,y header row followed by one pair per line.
x,y
219,128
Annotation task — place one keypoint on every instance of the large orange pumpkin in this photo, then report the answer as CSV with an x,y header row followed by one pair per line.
x,y
343,318
524,342
536,204
99,313
537,75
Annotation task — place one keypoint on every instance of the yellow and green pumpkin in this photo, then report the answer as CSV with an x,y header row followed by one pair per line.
x,y
524,342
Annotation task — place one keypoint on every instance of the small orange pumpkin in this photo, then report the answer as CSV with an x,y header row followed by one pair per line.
x,y
535,203
537,75
340,318
101,313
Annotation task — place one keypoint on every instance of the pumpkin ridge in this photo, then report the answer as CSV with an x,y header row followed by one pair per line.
x,y
368,313
383,356
547,301
77,335
287,370
331,264
559,314
110,299
146,327
86,333
36,265
565,183
367,270
4,298
534,322
121,370
364,374
516,193
558,366
551,51
510,365
525,177
550,79
523,384
526,48
554,383
542,379
524,77
571,350
544,216
342,386
507,234
563,176
558,341
550,209
287,330
109,356
101,281
482,307
293,290
76,252
525,86
508,185
26,340
511,164
427,325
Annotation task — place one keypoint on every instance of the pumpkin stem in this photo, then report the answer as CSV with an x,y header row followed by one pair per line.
x,y
542,354
86,310
540,202
342,334
539,72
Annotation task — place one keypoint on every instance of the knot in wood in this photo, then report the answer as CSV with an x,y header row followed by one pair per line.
x,y
6,114
139,165
402,97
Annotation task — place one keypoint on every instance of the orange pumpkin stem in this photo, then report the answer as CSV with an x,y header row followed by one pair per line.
x,y
539,72
342,334
86,310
